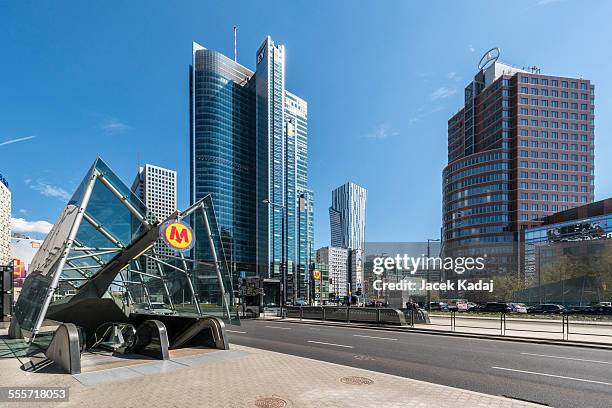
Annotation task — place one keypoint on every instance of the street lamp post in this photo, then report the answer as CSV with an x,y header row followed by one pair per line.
x,y
428,272
282,264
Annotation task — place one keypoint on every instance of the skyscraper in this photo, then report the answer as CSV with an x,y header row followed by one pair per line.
x,y
347,216
249,149
222,147
5,222
156,188
520,149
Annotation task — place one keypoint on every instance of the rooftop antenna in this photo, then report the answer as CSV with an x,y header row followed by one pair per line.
x,y
235,56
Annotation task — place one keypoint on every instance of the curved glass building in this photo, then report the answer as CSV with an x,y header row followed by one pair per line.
x,y
222,146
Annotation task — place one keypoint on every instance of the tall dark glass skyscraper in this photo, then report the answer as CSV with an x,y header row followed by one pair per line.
x,y
222,147
249,149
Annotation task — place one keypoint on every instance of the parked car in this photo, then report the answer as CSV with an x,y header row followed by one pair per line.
x,y
577,310
598,310
546,308
517,307
495,307
438,306
606,304
471,306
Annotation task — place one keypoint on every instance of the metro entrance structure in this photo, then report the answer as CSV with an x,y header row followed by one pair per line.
x,y
99,275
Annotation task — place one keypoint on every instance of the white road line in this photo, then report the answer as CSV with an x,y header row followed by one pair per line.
x,y
552,375
329,344
374,337
235,331
568,358
276,327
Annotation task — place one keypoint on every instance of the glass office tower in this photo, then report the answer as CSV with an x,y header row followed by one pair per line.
x,y
249,150
222,146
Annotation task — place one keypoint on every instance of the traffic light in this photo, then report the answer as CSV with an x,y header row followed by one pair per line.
x,y
358,292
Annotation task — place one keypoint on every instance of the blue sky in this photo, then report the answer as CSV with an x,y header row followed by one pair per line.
x,y
80,79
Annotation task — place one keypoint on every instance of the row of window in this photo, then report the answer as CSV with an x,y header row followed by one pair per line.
x,y
555,104
555,176
554,114
554,82
555,125
554,93
554,187
554,145
554,135
554,156
553,197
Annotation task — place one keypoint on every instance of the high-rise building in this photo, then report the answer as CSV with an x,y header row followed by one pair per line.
x,y
338,262
347,216
156,187
520,149
5,222
249,150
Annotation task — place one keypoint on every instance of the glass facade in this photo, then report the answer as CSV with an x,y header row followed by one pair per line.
x,y
249,144
100,245
569,263
222,150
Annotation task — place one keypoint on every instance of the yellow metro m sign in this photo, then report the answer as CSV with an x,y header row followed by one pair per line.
x,y
177,235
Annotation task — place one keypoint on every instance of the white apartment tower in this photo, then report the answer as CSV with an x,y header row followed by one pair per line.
x,y
156,187
5,222
337,260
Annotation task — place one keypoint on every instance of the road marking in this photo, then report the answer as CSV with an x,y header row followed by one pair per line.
x,y
568,358
329,344
552,375
374,337
235,331
276,327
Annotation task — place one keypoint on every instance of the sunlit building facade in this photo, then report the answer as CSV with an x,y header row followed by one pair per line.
x,y
520,149
5,222
249,150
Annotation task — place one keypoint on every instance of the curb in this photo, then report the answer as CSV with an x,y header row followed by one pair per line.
x,y
600,346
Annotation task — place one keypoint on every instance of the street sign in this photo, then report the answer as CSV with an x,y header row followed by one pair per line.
x,y
316,274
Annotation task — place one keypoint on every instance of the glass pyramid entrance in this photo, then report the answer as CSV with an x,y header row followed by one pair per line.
x,y
103,247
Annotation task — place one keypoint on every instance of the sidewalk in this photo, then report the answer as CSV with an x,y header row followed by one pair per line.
x,y
248,377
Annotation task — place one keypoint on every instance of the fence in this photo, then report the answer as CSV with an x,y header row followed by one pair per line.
x,y
374,315
502,325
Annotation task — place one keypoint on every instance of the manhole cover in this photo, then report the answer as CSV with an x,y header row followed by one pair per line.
x,y
353,380
270,402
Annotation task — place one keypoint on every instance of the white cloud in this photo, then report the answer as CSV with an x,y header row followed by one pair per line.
x,y
19,139
442,92
471,48
545,2
382,131
453,76
49,190
22,225
23,211
112,126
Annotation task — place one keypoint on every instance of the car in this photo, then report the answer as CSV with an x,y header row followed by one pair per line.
x,y
471,306
598,310
518,307
606,304
495,307
546,308
577,310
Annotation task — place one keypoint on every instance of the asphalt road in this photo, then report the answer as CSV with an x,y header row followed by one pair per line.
x,y
558,376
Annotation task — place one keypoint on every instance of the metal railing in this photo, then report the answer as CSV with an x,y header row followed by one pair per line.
x,y
503,326
374,315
